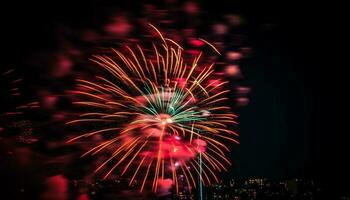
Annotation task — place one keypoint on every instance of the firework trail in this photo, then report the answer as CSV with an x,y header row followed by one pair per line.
x,y
155,113
13,122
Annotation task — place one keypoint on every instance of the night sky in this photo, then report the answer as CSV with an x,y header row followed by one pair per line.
x,y
292,125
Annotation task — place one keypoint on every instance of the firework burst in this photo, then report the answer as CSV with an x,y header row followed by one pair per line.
x,y
156,114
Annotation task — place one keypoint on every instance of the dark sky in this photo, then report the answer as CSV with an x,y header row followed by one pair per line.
x,y
292,126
